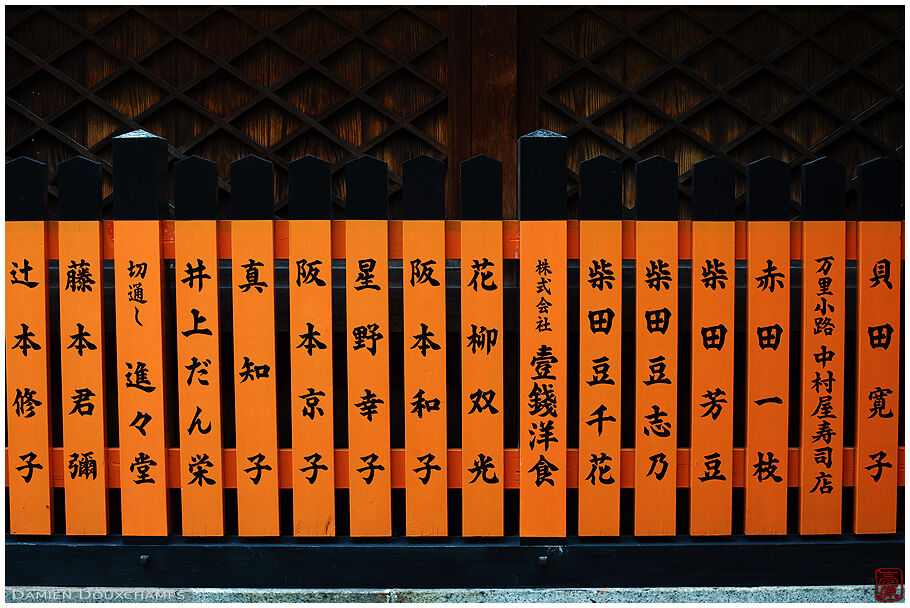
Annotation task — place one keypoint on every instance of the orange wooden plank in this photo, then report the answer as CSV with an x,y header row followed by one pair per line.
x,y
656,342
542,366
82,377
822,408
878,312
600,373
713,287
367,296
27,396
481,473
255,397
199,377
140,370
312,389
767,378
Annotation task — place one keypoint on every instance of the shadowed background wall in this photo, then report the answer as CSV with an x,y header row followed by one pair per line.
x,y
451,82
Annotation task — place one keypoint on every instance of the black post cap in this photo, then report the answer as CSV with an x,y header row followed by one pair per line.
x,y
195,189
26,190
881,190
656,189
252,189
600,189
79,190
309,189
713,190
542,176
424,180
140,176
768,190
824,190
367,180
481,188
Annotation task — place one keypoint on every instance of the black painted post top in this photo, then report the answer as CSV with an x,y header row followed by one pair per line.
x,y
140,176
656,189
824,190
309,189
768,190
367,189
481,188
424,180
600,189
542,176
195,189
79,190
713,190
252,189
26,190
881,190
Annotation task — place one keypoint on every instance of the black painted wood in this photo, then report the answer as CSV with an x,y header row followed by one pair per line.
x,y
881,190
656,194
79,189
713,190
481,188
824,190
309,189
252,189
140,177
600,189
509,563
768,190
542,176
424,185
195,189
367,189
26,190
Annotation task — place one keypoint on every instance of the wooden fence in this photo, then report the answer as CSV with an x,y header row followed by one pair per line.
x,y
200,370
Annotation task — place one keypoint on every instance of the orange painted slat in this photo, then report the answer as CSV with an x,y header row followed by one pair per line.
x,y
140,377
27,396
509,476
713,287
822,379
312,387
424,323
199,378
481,473
656,323
767,378
82,377
255,397
878,313
368,334
542,367
600,373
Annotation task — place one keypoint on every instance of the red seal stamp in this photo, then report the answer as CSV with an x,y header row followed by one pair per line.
x,y
889,585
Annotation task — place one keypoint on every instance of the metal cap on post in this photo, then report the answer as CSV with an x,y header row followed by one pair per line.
x,y
656,189
600,189
79,189
713,190
542,176
368,190
768,190
140,176
481,188
252,189
309,189
195,189
424,189
26,190
881,190
824,190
